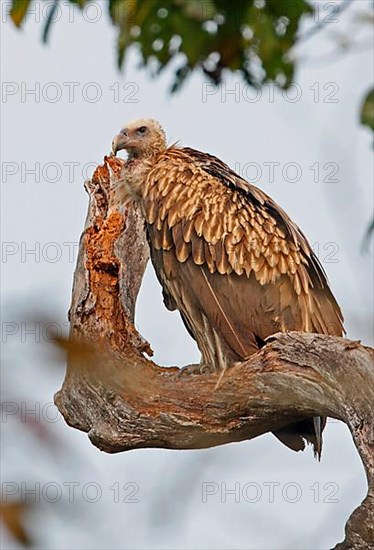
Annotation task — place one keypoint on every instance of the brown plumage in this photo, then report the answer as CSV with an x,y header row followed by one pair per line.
x,y
227,256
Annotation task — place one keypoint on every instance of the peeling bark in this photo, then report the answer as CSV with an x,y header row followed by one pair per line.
x,y
124,401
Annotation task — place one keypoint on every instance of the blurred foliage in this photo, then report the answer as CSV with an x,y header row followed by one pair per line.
x,y
12,515
367,118
367,110
18,11
252,37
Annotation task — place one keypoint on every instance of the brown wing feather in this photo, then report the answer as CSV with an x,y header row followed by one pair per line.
x,y
240,310
255,260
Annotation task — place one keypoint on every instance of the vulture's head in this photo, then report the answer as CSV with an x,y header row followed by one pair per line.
x,y
141,138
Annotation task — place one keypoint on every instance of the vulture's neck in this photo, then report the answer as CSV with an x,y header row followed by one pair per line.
x,y
138,166
145,155
137,170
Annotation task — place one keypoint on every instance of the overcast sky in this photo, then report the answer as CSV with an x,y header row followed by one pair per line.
x,y
304,148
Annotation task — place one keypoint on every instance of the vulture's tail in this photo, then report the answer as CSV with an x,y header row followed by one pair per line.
x,y
310,429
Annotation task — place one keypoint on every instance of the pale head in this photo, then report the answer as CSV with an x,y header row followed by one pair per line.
x,y
141,138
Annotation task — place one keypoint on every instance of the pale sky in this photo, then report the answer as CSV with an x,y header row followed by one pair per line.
x,y
306,149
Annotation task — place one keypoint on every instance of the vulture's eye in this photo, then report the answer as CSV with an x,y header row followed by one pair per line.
x,y
142,130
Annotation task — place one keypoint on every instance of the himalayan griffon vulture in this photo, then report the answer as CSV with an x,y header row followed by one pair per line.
x,y
229,259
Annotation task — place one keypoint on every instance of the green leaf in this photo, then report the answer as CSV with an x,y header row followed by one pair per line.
x,y
367,110
80,3
367,237
51,13
209,33
124,14
18,11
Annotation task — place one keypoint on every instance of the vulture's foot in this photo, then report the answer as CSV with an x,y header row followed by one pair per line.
x,y
197,368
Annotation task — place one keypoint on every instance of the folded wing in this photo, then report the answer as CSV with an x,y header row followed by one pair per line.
x,y
234,252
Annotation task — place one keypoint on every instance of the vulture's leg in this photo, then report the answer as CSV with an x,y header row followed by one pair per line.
x,y
197,368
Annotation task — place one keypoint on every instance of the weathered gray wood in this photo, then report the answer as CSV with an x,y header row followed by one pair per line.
x,y
124,401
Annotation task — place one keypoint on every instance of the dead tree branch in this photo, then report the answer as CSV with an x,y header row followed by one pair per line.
x,y
124,401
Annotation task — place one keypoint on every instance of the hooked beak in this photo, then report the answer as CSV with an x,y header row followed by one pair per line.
x,y
119,142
